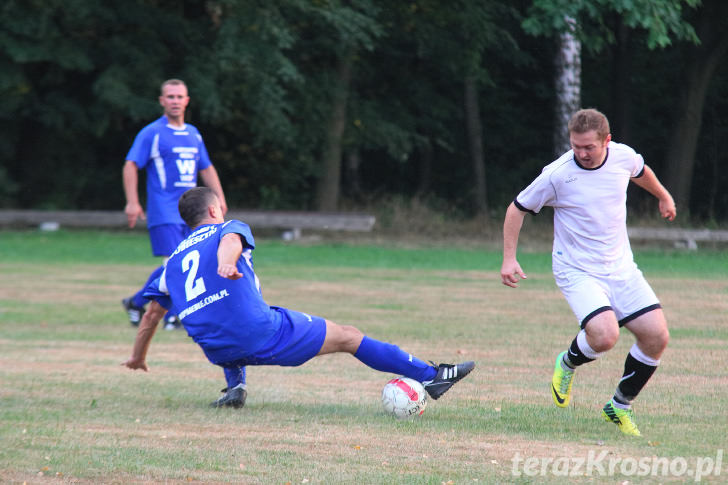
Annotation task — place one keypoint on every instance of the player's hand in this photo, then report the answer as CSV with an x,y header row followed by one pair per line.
x,y
667,208
135,364
134,211
511,272
229,271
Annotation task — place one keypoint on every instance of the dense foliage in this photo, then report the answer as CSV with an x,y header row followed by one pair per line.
x,y
79,78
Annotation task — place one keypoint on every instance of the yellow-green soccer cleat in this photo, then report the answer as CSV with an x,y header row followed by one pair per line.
x,y
561,383
623,418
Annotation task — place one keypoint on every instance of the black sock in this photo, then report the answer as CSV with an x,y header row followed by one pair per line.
x,y
636,375
575,357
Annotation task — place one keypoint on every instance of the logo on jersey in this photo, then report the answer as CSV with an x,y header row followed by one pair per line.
x,y
572,178
203,303
186,165
194,238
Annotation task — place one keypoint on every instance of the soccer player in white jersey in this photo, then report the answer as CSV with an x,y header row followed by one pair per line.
x,y
210,283
592,259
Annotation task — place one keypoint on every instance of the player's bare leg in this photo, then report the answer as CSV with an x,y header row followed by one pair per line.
x,y
602,331
341,338
651,333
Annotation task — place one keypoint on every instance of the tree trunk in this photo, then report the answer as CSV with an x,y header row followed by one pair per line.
x,y
621,102
352,178
714,167
568,86
683,143
475,144
426,158
327,191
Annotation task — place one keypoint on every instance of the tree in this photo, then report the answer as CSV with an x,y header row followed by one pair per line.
x,y
703,59
475,143
566,19
568,84
70,78
478,32
447,102
457,42
348,28
327,190
352,27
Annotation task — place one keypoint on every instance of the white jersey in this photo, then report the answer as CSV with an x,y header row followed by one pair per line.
x,y
590,209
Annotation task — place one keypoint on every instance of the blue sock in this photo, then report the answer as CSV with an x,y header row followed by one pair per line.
x,y
138,298
234,376
386,357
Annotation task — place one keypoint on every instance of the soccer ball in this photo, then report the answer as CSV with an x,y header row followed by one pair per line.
x,y
404,398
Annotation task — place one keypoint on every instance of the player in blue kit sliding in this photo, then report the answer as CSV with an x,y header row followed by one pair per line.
x,y
173,154
210,283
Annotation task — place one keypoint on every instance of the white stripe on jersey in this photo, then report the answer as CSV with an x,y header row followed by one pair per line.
x,y
158,162
163,282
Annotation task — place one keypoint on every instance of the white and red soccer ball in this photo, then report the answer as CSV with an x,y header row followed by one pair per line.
x,y
404,398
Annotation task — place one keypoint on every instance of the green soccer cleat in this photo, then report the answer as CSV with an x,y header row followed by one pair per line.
x,y
561,383
623,418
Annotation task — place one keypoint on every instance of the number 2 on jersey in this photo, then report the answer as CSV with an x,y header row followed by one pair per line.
x,y
193,287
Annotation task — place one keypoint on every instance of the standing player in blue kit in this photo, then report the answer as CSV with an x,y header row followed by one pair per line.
x,y
172,153
592,260
210,283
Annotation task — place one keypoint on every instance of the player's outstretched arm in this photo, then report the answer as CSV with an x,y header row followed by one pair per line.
x,y
511,271
651,184
228,253
147,328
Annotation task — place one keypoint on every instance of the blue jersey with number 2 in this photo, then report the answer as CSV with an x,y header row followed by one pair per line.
x,y
228,318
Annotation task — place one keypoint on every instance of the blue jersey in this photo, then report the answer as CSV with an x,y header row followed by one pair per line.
x,y
172,158
228,318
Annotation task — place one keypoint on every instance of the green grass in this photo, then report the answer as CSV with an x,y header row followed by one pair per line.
x,y
126,247
70,412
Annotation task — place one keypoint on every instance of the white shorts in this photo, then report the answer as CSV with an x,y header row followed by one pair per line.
x,y
627,294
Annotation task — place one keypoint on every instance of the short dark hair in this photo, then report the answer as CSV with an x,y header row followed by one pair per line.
x,y
589,119
193,205
172,82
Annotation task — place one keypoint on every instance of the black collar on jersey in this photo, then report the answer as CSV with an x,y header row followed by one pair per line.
x,y
595,168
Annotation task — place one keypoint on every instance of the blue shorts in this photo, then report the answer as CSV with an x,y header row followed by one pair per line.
x,y
299,339
166,237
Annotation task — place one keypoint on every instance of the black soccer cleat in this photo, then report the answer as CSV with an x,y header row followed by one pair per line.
x,y
233,398
447,375
135,312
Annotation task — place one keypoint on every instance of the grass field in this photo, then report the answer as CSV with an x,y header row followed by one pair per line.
x,y
69,413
